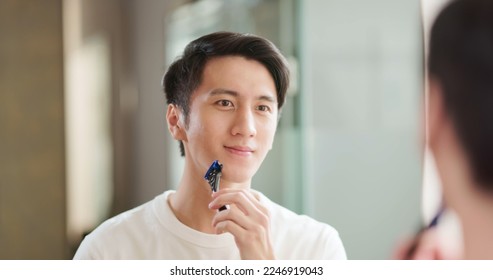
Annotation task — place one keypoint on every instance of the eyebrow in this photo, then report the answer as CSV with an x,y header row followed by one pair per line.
x,y
233,93
218,91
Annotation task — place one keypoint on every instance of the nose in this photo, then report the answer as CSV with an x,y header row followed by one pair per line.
x,y
244,123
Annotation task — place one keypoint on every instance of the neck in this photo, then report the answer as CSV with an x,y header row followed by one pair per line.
x,y
474,207
478,226
471,203
190,203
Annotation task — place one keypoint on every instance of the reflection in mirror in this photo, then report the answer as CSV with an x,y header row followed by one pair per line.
x,y
275,20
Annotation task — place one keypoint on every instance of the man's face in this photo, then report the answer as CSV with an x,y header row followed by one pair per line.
x,y
233,118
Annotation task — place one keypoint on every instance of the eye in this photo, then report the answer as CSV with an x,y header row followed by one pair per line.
x,y
263,108
224,103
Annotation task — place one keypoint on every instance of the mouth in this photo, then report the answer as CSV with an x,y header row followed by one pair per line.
x,y
240,150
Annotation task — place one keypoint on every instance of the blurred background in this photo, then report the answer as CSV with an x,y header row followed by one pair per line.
x,y
83,134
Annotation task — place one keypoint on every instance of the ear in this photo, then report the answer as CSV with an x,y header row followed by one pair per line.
x,y
437,116
176,122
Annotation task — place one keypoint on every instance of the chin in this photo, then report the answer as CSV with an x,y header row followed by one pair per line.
x,y
237,175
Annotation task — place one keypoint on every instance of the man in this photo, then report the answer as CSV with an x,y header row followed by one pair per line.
x,y
224,98
461,122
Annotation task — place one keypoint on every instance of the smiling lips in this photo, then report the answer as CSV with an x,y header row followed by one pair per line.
x,y
239,150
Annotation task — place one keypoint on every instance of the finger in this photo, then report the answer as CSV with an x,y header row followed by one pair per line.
x,y
247,193
231,227
256,201
402,248
429,246
236,216
257,206
424,246
240,199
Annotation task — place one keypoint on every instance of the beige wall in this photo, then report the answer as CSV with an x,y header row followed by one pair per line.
x,y
32,182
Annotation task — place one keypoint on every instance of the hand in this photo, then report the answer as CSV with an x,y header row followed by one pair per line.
x,y
428,246
247,220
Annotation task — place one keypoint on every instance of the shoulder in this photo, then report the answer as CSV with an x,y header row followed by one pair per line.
x,y
313,239
120,232
287,219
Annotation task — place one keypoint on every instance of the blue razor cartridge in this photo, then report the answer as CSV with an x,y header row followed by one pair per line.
x,y
213,175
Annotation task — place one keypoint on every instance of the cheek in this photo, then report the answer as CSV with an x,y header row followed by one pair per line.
x,y
268,132
196,132
203,128
194,129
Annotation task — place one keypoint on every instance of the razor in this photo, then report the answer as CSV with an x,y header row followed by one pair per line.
x,y
213,177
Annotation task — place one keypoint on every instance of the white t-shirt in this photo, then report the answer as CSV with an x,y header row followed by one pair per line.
x,y
152,231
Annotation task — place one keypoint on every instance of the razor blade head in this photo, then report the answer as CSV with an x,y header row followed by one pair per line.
x,y
213,173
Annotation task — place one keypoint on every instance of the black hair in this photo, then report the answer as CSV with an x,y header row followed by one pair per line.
x,y
461,60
